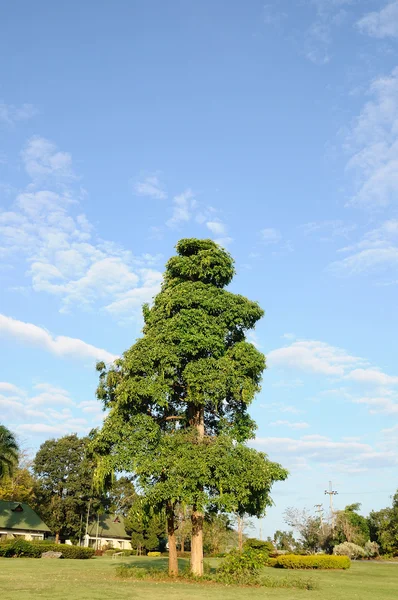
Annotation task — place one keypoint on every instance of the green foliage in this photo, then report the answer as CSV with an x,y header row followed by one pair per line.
x,y
383,526
218,534
241,567
64,484
315,561
23,548
349,549
147,528
18,487
121,496
266,548
8,452
284,540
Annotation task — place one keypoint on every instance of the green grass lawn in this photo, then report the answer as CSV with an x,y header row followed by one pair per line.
x,y
95,580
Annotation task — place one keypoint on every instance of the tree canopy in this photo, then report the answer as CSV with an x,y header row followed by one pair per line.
x,y
8,452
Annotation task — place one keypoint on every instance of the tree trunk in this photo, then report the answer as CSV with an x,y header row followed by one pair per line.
x,y
182,544
171,534
197,543
197,420
240,533
57,537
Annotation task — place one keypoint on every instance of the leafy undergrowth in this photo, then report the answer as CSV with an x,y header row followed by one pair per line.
x,y
250,580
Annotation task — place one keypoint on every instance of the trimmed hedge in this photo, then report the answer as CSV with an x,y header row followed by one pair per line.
x,y
19,548
313,561
154,554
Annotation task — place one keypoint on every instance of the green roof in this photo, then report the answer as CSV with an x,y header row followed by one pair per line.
x,y
17,515
109,526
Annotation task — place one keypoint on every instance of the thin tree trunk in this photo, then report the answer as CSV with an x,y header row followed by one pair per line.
x,y
197,420
171,534
240,533
197,542
182,544
57,537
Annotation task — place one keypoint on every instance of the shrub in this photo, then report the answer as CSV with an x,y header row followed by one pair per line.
x,y
266,548
154,554
241,567
348,549
17,548
371,549
313,561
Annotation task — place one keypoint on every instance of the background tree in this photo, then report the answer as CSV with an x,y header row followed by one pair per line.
x,y
312,534
285,541
351,526
147,528
65,485
188,381
121,496
383,527
8,452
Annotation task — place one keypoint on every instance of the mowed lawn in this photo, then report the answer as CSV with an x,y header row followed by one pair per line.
x,y
95,580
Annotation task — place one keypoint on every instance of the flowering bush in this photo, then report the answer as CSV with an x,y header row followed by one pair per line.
x,y
348,549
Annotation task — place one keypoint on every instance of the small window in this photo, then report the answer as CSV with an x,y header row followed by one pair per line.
x,y
117,520
17,508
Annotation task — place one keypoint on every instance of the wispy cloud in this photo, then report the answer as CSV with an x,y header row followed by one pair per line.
x,y
314,357
328,230
150,186
183,206
11,114
376,251
382,23
65,258
372,143
62,346
290,424
270,235
355,456
42,159
47,410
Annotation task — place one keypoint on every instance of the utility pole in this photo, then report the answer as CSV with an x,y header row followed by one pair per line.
x,y
261,531
331,492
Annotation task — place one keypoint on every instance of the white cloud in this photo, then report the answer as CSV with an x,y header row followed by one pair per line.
x,y
47,410
373,145
9,388
382,23
290,424
58,243
328,230
62,346
216,227
151,187
280,407
313,356
183,205
270,236
352,455
377,251
42,159
11,114
373,377
382,403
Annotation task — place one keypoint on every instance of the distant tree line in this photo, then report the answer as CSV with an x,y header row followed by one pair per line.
x,y
315,534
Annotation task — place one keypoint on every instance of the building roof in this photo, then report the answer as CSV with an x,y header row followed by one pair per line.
x,y
17,515
110,526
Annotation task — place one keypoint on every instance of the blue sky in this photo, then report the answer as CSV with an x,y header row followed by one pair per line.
x,y
270,127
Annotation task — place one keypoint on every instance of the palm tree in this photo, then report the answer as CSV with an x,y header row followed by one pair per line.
x,y
8,452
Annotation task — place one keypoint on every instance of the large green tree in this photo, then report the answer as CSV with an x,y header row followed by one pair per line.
x,y
8,452
64,487
179,398
383,526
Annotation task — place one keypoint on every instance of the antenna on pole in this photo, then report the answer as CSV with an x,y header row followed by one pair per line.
x,y
331,492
